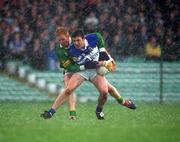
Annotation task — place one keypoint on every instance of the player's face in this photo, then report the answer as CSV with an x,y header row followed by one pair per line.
x,y
64,40
78,42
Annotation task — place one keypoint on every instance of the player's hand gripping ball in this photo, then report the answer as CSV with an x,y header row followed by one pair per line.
x,y
106,66
102,70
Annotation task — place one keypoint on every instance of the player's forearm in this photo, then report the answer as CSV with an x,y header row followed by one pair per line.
x,y
74,68
103,55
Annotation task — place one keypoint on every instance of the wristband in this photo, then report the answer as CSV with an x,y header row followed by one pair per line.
x,y
82,67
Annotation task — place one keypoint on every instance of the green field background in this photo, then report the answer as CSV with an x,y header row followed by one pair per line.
x,y
21,122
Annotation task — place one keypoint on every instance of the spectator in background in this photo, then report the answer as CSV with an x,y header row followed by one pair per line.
x,y
37,56
44,38
8,18
52,60
91,22
74,25
15,26
39,26
152,49
130,46
119,42
103,20
112,26
170,51
158,32
177,41
17,47
115,45
3,50
27,34
142,39
136,20
142,18
52,27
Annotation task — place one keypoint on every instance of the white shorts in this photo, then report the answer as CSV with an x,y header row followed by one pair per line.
x,y
88,74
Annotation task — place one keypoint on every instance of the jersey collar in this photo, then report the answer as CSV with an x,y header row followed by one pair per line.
x,y
86,44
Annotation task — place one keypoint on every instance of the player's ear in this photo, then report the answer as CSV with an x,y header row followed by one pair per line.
x,y
83,37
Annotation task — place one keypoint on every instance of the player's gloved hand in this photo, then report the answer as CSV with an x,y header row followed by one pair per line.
x,y
91,65
109,64
46,115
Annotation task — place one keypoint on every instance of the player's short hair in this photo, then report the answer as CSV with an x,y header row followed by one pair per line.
x,y
78,33
62,31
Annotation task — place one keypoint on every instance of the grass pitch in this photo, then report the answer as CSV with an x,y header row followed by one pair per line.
x,y
20,122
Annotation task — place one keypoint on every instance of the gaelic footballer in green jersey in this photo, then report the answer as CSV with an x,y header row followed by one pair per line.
x,y
61,50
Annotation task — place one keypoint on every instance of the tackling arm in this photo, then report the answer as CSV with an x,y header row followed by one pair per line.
x,y
71,66
104,57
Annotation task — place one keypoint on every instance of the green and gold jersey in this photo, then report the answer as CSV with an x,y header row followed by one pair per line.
x,y
64,60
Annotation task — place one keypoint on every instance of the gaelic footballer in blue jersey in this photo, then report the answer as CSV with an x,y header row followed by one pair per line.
x,y
89,49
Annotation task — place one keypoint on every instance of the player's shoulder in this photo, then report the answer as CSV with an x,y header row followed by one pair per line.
x,y
91,36
71,46
57,46
92,39
72,49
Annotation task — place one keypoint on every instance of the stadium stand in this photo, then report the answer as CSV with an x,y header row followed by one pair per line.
x,y
11,89
127,30
139,81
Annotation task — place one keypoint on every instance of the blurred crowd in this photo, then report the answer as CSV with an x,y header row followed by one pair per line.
x,y
144,28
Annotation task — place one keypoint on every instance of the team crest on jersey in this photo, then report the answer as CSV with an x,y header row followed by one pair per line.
x,y
65,63
66,53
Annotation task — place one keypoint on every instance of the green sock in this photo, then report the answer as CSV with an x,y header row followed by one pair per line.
x,y
72,113
120,100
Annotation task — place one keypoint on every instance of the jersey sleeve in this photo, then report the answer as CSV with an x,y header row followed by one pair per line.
x,y
72,67
69,65
101,42
65,61
104,55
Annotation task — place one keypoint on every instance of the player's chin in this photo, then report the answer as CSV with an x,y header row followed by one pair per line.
x,y
77,46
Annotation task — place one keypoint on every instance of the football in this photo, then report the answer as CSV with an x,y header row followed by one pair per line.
x,y
102,70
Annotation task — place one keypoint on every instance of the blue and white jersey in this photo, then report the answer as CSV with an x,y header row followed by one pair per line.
x,y
89,53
